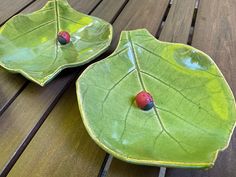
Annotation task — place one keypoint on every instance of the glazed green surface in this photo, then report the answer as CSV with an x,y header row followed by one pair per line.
x,y
194,112
28,43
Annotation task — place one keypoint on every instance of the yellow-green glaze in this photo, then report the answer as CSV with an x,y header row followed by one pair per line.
x,y
28,43
194,112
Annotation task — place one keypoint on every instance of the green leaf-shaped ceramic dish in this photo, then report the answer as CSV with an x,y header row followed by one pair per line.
x,y
194,113
28,43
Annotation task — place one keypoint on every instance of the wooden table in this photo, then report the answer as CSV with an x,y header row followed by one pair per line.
x,y
41,133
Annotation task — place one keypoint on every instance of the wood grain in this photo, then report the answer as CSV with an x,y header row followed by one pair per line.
x,y
215,33
10,8
106,8
20,118
10,87
178,22
85,5
30,108
62,146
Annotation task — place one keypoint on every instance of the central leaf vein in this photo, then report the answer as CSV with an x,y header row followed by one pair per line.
x,y
181,118
143,87
31,30
57,30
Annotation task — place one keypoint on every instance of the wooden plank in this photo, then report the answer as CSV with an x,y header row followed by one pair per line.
x,y
10,87
18,121
215,33
10,8
104,9
62,146
80,5
178,21
34,6
85,5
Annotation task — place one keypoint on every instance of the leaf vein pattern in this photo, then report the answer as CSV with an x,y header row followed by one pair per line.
x,y
179,92
181,118
119,52
32,30
157,137
167,132
112,88
126,118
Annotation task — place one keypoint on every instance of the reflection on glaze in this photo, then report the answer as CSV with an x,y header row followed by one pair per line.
x,y
131,56
191,59
189,63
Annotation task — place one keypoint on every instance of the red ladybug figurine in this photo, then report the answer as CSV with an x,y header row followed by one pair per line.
x,y
144,101
63,37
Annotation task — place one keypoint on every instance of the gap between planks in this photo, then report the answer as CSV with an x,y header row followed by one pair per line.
x,y
190,37
8,103
159,29
23,8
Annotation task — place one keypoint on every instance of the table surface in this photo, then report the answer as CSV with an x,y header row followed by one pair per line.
x,y
41,133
